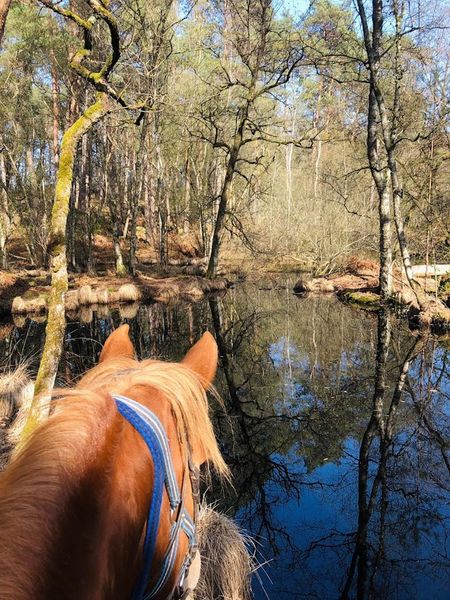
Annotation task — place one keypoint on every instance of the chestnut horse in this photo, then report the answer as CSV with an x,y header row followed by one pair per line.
x,y
83,512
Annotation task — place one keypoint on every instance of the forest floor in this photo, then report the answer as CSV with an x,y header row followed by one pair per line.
x,y
183,278
24,289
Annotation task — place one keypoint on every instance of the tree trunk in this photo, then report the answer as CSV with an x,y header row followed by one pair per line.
x,y
133,236
55,111
120,267
138,188
149,205
162,245
38,229
56,321
380,179
289,153
121,270
187,191
161,200
83,246
150,185
4,8
220,218
224,199
71,243
5,223
378,170
385,243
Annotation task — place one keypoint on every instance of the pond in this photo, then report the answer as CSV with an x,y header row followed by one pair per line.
x,y
336,427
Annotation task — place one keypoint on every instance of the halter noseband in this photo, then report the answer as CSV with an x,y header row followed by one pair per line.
x,y
155,437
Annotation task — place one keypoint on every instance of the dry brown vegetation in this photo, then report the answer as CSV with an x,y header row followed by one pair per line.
x,y
16,392
226,563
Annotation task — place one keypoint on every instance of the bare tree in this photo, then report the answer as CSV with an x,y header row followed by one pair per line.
x,y
384,137
5,220
258,72
380,171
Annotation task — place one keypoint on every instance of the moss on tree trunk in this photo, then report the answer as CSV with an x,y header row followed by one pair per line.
x,y
56,321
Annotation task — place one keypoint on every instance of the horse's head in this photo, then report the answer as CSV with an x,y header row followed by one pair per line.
x,y
176,391
201,361
113,476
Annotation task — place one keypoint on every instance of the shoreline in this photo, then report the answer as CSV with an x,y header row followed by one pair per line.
x,y
26,295
360,288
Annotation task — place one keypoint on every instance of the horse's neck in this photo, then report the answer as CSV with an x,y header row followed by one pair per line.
x,y
68,529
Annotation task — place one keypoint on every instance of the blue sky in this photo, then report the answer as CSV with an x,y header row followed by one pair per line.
x,y
295,7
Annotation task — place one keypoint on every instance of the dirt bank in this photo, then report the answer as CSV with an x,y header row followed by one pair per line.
x,y
358,284
27,292
357,276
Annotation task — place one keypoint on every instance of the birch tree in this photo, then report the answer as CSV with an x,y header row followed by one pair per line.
x,y
380,171
385,135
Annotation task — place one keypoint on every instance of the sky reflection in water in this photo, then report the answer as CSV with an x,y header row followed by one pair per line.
x,y
341,469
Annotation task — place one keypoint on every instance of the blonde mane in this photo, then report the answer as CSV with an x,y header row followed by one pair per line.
x,y
179,385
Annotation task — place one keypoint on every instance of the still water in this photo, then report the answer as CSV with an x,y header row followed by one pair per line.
x,y
336,427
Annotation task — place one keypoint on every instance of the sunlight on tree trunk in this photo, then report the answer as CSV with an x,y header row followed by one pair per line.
x,y
56,321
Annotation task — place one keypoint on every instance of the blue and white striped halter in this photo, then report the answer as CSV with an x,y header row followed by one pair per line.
x,y
155,437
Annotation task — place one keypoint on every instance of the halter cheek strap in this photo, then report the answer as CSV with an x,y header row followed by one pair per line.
x,y
155,437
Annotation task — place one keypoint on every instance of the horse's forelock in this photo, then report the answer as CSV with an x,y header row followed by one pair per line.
x,y
177,383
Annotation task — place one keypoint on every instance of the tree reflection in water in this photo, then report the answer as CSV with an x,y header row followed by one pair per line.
x,y
383,440
336,426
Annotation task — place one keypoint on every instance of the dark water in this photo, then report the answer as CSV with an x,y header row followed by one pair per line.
x,y
337,432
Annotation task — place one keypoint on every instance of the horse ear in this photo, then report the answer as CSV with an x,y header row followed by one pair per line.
x,y
202,359
118,345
